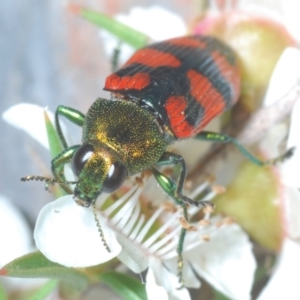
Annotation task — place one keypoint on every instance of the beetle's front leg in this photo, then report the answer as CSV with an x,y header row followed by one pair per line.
x,y
58,163
72,115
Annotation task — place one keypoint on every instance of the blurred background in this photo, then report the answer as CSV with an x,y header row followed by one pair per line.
x,y
48,57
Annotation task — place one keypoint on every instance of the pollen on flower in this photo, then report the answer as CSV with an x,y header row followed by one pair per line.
x,y
218,189
169,207
204,222
168,171
205,237
210,178
228,221
188,184
146,174
225,221
139,181
186,225
208,209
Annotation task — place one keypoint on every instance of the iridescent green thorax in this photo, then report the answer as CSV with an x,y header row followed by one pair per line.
x,y
131,134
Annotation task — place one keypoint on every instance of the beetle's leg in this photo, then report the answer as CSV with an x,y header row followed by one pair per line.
x,y
223,138
72,115
58,163
175,191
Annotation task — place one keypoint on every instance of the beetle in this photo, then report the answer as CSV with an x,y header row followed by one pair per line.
x,y
165,92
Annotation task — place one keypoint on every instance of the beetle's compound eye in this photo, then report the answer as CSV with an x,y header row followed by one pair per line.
x,y
80,158
115,177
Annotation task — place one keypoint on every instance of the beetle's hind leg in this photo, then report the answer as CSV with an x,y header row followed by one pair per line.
x,y
223,138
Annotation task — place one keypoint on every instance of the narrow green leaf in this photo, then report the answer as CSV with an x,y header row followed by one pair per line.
x,y
36,265
45,290
54,142
220,296
3,295
55,149
124,285
125,33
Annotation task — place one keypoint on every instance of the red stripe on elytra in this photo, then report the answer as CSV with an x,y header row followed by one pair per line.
x,y
154,58
137,81
175,107
207,96
188,42
230,72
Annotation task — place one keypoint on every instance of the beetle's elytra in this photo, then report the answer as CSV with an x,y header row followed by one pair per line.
x,y
184,81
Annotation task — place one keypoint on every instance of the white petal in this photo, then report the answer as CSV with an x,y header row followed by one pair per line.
x,y
291,210
284,284
167,280
285,75
67,234
291,166
153,290
143,19
16,240
132,255
30,118
152,21
226,262
291,10
15,234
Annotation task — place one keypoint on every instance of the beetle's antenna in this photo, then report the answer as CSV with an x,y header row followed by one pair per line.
x,y
46,179
100,229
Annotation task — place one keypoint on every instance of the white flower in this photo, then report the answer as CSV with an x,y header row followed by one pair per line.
x,y
283,283
155,21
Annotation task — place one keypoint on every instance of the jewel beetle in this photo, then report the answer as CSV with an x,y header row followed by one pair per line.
x,y
165,92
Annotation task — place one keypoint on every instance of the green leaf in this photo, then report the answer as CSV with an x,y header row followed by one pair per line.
x,y
45,290
54,142
124,285
55,149
125,33
220,296
36,265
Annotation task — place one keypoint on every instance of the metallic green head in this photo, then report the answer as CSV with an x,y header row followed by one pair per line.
x,y
119,139
97,172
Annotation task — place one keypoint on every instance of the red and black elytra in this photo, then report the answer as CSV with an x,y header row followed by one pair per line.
x,y
184,81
